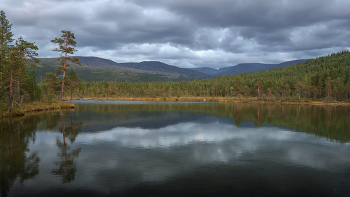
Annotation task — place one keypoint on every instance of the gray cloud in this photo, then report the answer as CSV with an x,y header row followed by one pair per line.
x,y
187,33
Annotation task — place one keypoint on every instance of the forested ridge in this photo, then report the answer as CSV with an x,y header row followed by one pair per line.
x,y
321,79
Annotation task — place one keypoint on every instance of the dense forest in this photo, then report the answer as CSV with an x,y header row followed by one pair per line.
x,y
320,79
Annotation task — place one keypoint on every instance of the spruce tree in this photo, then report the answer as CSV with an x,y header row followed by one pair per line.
x,y
5,40
27,58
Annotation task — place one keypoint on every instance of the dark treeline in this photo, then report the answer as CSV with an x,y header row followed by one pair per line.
x,y
321,79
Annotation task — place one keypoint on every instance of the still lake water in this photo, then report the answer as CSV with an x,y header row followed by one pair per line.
x,y
120,148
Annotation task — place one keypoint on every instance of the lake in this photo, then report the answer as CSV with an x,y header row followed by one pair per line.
x,y
131,148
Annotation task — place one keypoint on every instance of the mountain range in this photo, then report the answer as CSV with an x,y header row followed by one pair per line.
x,y
246,67
151,67
99,69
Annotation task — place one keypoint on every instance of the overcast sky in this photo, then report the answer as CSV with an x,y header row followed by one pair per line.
x,y
187,33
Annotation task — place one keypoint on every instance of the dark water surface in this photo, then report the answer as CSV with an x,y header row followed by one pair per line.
x,y
116,148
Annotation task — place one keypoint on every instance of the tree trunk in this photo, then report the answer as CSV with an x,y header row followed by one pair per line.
x,y
11,90
319,92
328,96
1,62
18,82
10,99
18,93
64,69
62,89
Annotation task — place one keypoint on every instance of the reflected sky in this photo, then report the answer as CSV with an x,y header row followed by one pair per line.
x,y
127,157
203,148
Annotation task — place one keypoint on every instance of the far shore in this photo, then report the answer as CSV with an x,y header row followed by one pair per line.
x,y
36,107
215,99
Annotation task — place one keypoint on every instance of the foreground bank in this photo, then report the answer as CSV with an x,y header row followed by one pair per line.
x,y
32,107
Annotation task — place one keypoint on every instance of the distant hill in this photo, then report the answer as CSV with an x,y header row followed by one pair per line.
x,y
99,69
206,70
245,67
98,62
104,72
156,66
150,67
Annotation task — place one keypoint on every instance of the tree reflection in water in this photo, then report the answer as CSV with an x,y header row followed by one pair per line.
x,y
18,163
16,160
66,164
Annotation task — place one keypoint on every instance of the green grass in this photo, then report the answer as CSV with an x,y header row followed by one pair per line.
x,y
32,107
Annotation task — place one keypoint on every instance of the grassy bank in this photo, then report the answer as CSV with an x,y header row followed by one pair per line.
x,y
33,107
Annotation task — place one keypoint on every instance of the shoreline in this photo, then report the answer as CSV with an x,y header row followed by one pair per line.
x,y
36,107
216,99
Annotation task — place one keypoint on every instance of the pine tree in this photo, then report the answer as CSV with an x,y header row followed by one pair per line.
x,y
11,73
66,44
